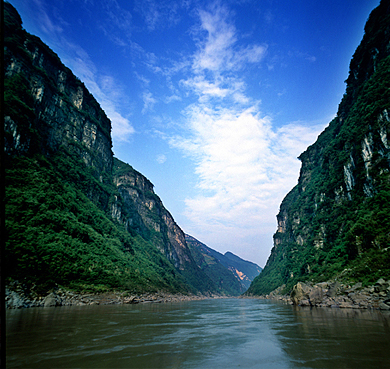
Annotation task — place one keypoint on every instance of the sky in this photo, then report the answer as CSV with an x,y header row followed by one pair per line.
x,y
212,101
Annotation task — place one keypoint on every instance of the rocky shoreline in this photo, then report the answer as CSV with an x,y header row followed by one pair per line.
x,y
17,298
335,294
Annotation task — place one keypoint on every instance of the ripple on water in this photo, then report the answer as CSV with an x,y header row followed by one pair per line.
x,y
226,333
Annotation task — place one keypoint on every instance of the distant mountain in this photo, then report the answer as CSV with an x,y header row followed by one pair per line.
x,y
335,222
245,271
231,274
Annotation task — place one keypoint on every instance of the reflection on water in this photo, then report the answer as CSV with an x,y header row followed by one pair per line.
x,y
338,338
223,333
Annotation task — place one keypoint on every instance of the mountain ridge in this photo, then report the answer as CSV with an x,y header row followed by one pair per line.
x,y
210,260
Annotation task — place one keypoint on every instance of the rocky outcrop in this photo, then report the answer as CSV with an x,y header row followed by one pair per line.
x,y
17,299
336,294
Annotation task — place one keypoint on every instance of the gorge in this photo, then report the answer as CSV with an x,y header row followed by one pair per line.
x,y
77,217
111,280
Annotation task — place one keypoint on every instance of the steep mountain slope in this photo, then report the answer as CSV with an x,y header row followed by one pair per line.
x,y
74,216
336,221
246,271
230,273
139,209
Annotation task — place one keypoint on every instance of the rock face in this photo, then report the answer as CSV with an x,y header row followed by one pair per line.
x,y
65,113
334,294
337,217
53,123
245,271
142,210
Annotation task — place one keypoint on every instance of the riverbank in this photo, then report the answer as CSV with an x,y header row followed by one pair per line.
x,y
335,294
17,298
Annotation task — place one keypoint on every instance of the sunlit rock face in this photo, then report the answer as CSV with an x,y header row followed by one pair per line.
x,y
336,213
142,210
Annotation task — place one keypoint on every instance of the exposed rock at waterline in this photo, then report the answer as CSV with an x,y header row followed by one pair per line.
x,y
335,294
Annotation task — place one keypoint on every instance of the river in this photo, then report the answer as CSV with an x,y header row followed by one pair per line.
x,y
214,333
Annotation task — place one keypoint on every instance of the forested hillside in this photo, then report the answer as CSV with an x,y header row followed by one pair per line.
x,y
231,274
336,221
76,217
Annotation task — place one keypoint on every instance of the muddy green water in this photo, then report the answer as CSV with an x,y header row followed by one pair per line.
x,y
215,333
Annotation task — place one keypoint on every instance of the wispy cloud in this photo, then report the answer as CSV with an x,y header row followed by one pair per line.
x,y
45,22
118,23
245,165
148,100
161,158
103,87
219,50
159,13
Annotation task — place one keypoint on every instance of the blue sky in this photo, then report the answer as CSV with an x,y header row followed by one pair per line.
x,y
213,101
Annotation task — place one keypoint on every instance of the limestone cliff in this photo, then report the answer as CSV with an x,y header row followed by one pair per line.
x,y
72,219
63,114
337,217
141,209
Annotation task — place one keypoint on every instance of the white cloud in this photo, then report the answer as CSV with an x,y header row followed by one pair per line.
x,y
148,100
205,88
245,168
161,158
220,50
245,165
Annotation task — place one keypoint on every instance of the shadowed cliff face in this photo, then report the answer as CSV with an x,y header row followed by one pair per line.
x,y
63,114
93,224
337,217
231,274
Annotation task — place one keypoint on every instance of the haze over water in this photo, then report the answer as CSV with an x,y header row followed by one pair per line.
x,y
215,333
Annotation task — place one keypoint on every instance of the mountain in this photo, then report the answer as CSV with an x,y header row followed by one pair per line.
x,y
245,271
75,216
335,222
230,273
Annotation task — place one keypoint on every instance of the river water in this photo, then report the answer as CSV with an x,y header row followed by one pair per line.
x,y
214,333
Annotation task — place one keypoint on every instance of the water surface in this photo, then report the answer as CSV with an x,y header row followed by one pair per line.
x,y
215,333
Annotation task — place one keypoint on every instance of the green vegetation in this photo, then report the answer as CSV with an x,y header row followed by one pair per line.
x,y
145,220
222,281
56,235
338,216
58,224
